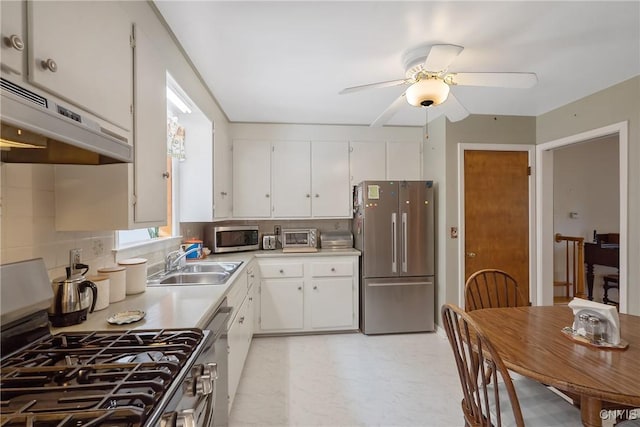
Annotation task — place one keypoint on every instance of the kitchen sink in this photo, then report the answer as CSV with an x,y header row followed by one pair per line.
x,y
198,273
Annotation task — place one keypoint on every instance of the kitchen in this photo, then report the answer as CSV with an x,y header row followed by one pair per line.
x,y
29,194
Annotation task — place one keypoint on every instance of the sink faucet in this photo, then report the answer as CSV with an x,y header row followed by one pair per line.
x,y
172,261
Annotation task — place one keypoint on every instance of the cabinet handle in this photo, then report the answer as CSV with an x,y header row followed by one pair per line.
x,y
299,288
317,195
15,42
223,193
308,195
281,271
241,320
250,298
333,269
266,195
315,287
49,64
166,175
252,276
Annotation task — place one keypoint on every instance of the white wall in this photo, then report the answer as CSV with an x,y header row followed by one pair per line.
x,y
586,181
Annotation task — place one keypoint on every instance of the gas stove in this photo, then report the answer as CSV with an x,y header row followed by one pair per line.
x,y
97,377
165,377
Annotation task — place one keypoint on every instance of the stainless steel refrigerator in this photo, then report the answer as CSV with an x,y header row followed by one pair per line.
x,y
393,227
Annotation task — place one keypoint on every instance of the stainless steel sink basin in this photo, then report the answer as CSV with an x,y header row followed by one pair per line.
x,y
213,278
198,273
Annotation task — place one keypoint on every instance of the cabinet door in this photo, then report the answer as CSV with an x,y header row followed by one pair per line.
x,y
404,160
150,134
90,44
367,161
291,179
12,37
281,305
251,179
331,303
222,158
331,189
238,349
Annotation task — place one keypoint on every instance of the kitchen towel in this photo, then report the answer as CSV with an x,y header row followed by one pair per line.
x,y
606,313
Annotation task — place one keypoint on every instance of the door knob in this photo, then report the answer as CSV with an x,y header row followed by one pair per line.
x,y
471,254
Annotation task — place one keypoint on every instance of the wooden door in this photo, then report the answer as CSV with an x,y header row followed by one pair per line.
x,y
496,204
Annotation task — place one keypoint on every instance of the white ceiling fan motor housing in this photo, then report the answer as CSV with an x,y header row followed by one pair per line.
x,y
427,92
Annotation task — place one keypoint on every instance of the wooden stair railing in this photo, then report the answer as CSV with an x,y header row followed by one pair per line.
x,y
574,267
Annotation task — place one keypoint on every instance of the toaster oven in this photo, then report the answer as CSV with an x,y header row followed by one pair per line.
x,y
299,240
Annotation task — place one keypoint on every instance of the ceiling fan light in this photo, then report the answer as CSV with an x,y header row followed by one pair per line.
x,y
427,92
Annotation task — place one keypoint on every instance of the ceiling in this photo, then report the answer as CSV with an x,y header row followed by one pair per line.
x,y
285,62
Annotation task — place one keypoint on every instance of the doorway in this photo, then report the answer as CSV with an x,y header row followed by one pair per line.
x,y
496,211
545,208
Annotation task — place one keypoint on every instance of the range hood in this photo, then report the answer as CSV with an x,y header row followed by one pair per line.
x,y
36,129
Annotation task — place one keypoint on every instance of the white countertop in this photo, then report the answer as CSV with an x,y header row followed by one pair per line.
x,y
181,306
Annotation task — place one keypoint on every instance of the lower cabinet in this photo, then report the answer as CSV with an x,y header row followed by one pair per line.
x,y
240,331
305,294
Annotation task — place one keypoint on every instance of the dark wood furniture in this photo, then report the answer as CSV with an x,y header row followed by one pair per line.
x,y
606,252
610,281
573,280
530,342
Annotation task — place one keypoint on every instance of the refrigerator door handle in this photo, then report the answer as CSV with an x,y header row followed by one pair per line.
x,y
404,242
394,238
399,284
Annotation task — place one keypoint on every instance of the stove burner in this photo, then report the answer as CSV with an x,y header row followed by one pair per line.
x,y
99,378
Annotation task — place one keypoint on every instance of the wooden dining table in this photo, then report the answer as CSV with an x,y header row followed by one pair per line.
x,y
530,342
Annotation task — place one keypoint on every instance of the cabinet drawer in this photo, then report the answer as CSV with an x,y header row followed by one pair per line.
x,y
272,271
329,269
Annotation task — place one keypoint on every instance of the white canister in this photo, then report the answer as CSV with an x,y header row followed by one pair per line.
x,y
103,284
117,282
136,274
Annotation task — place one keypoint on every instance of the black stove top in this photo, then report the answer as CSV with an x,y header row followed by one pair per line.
x,y
95,378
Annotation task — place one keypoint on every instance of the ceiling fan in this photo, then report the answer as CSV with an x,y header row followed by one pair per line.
x,y
429,82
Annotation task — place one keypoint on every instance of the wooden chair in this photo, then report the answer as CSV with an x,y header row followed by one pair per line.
x,y
494,401
573,280
610,281
491,288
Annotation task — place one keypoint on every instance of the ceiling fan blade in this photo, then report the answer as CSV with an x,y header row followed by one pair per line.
x,y
441,56
373,86
512,80
389,112
453,109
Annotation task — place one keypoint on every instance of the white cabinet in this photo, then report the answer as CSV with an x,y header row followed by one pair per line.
x,y
251,179
404,160
331,191
13,37
367,161
82,52
291,179
240,332
391,160
222,179
306,294
123,196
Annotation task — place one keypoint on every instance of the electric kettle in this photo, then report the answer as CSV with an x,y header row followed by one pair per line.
x,y
71,299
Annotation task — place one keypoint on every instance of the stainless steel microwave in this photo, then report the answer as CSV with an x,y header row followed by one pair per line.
x,y
232,238
299,240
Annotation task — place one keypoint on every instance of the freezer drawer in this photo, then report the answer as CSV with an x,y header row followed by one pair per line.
x,y
395,305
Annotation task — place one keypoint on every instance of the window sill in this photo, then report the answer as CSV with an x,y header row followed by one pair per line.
x,y
161,244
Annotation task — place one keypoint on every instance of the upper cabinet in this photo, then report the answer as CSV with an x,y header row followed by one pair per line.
x,y
124,196
82,53
12,46
330,191
379,160
251,179
291,179
223,179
